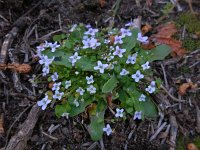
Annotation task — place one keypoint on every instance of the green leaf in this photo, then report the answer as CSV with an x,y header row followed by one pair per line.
x,y
149,108
159,53
97,122
110,85
60,109
59,37
85,64
130,41
81,108
61,57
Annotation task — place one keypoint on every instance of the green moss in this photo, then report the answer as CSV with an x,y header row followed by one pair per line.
x,y
191,22
190,44
182,141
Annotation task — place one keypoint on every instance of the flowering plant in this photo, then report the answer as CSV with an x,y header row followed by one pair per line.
x,y
90,69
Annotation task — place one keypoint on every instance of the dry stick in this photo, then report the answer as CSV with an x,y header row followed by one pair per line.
x,y
173,131
166,133
17,119
171,96
165,76
50,136
93,146
157,132
129,137
102,144
18,141
198,119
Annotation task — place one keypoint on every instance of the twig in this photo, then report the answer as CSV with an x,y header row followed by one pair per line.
x,y
102,145
165,76
50,136
173,131
160,120
18,141
166,133
93,146
171,96
129,137
198,119
157,132
19,116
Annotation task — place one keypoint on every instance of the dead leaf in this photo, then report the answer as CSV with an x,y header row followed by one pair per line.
x,y
102,3
148,46
191,146
112,39
185,86
50,85
166,30
146,28
1,124
109,99
164,36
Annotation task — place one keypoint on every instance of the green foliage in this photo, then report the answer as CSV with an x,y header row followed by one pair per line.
x,y
75,62
110,85
159,53
97,122
167,8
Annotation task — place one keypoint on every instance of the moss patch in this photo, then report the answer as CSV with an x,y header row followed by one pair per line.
x,y
191,44
191,22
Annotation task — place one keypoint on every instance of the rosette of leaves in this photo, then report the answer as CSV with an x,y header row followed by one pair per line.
x,y
123,88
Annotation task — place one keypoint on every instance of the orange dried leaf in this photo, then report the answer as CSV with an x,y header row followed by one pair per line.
x,y
175,45
148,46
50,85
166,30
112,39
146,28
1,124
185,86
102,3
191,146
109,99
23,68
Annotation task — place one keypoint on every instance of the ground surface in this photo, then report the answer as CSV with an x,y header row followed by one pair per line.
x,y
17,97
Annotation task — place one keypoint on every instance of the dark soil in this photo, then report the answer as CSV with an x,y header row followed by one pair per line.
x,y
72,133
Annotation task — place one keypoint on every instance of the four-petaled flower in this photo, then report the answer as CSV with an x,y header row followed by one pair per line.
x,y
74,58
53,46
67,84
100,67
91,32
124,72
118,51
54,77
145,66
118,39
80,90
44,102
131,59
119,112
142,39
137,76
151,88
107,129
137,115
91,89
90,43
125,32
58,95
90,79
56,86
142,97
45,60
